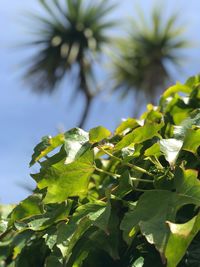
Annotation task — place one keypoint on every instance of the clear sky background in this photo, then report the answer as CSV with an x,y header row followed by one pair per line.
x,y
26,117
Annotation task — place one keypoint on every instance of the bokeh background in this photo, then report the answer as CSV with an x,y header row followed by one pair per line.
x,y
25,117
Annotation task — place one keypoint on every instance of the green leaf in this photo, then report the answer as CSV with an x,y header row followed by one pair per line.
x,y
188,184
180,238
52,215
126,125
47,145
63,181
151,217
171,148
5,210
99,133
82,255
27,208
192,140
193,81
97,214
175,89
139,262
50,237
154,150
72,235
76,143
20,241
108,242
194,120
140,135
179,114
152,114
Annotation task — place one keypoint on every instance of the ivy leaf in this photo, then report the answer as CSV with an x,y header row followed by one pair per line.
x,y
126,125
27,208
20,241
71,236
109,241
193,81
180,238
56,213
170,148
97,214
50,237
175,89
192,140
47,144
151,217
76,143
152,114
140,135
187,183
63,181
194,120
154,150
99,133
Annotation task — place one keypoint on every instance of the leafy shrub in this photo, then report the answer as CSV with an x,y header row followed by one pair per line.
x,y
126,199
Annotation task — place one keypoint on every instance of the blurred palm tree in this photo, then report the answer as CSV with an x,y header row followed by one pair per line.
x,y
68,39
141,60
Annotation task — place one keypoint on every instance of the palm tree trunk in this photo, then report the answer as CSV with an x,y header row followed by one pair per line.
x,y
85,89
85,112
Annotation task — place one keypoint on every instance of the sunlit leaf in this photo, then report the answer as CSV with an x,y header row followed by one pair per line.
x,y
64,180
192,140
171,148
76,143
47,145
98,133
180,238
126,125
26,208
140,135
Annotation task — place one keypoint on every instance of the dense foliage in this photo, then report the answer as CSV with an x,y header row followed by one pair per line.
x,y
127,199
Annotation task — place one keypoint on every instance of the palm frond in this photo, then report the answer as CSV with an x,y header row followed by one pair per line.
x,y
140,64
71,32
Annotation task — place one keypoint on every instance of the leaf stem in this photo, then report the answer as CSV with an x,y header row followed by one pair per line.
x,y
107,172
159,164
140,190
111,191
119,176
141,180
137,168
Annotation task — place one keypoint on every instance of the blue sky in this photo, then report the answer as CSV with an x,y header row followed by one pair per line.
x,y
26,117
